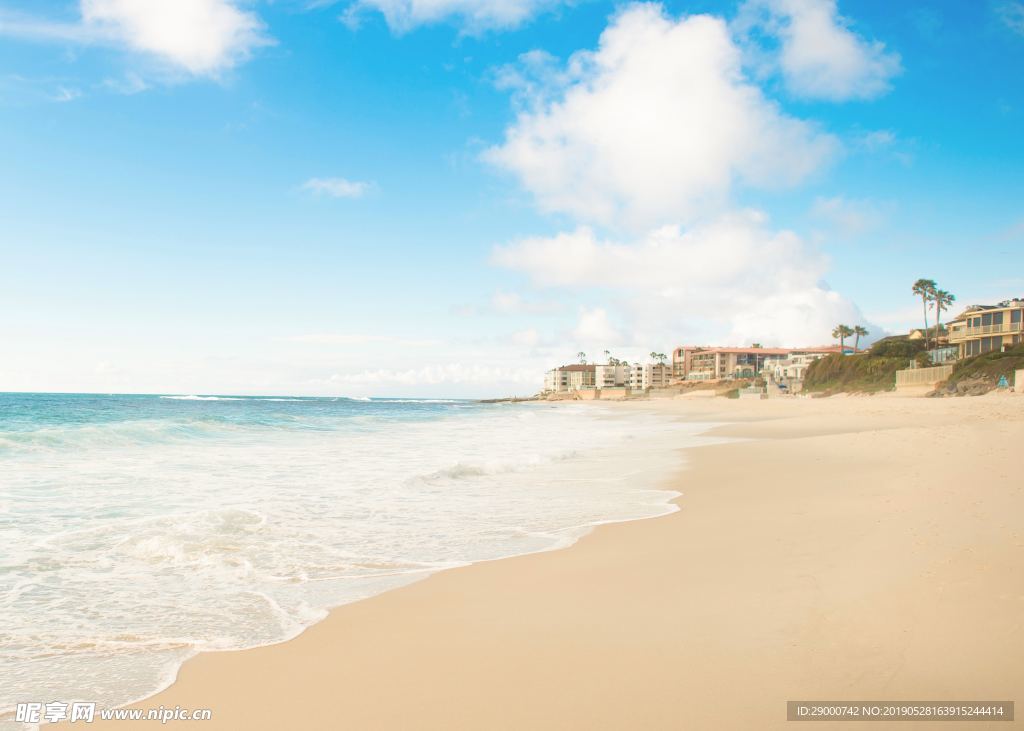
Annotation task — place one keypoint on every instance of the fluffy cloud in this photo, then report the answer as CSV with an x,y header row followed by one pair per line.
x,y
731,281
655,126
337,187
819,56
201,37
595,328
474,15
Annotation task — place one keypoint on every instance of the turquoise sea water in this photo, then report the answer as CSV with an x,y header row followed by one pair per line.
x,y
138,530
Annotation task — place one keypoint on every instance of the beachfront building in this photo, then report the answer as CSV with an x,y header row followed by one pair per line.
x,y
570,378
681,360
793,367
650,375
943,355
987,328
710,364
616,375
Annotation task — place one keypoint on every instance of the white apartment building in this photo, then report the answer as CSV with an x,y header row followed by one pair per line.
x,y
569,378
794,367
650,375
611,376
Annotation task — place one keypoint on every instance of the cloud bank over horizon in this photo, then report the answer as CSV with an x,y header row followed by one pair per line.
x,y
732,281
653,137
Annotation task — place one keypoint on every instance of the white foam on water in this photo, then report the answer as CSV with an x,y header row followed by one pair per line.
x,y
202,398
124,559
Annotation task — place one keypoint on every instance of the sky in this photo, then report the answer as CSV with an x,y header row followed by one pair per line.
x,y
448,197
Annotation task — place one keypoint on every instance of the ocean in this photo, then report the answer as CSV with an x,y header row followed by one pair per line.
x,y
138,530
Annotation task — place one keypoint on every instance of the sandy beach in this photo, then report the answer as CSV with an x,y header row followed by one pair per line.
x,y
851,548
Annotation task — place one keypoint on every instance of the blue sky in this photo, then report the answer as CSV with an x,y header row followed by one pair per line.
x,y
446,197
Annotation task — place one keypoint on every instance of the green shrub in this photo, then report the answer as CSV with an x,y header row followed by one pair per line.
x,y
897,346
854,373
989,367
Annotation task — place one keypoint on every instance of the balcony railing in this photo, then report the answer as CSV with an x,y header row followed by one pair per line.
x,y
955,336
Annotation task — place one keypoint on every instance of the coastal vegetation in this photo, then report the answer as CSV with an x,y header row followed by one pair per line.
x,y
932,298
869,372
923,288
861,374
860,332
981,374
841,333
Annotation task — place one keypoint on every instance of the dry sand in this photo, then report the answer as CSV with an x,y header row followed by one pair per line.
x,y
853,548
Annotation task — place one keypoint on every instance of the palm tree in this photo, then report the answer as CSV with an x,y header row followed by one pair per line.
x,y
924,288
860,331
841,333
583,357
942,300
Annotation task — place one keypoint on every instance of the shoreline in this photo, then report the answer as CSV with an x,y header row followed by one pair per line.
x,y
650,501
513,620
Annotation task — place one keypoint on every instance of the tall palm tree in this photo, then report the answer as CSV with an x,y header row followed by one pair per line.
x,y
653,354
860,331
943,300
924,288
841,333
583,357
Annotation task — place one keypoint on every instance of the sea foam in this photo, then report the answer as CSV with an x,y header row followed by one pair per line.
x,y
141,530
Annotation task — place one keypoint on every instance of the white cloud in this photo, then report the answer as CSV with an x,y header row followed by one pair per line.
x,y
528,338
731,281
474,15
846,216
1011,13
26,26
130,84
440,374
360,339
513,303
66,94
657,125
594,328
878,139
337,187
201,37
820,57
